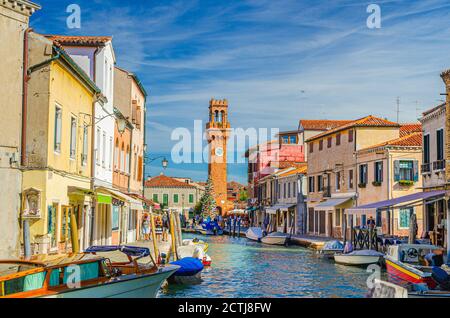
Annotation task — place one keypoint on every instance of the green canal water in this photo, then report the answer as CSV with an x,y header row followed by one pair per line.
x,y
242,268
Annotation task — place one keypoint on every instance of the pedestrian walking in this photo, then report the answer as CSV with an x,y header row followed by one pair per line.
x,y
145,228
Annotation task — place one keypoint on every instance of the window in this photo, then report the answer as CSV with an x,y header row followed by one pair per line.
x,y
403,217
58,128
311,147
289,190
294,187
155,197
426,149
116,155
329,141
405,170
97,150
191,198
350,179
175,198
310,184
115,217
292,139
132,219
378,171
165,199
285,139
338,180
104,149
73,137
122,158
320,145
110,159
284,190
363,174
319,183
440,144
338,139
84,155
337,218
350,136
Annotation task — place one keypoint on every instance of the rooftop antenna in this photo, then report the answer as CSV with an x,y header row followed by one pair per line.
x,y
398,109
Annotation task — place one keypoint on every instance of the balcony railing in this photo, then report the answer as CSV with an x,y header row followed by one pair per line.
x,y
439,165
426,168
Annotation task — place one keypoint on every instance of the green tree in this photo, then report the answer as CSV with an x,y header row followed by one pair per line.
x,y
208,203
243,195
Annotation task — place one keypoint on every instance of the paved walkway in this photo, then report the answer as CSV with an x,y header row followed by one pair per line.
x,y
315,242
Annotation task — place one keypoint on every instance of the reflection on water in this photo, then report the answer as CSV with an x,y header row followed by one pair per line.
x,y
242,268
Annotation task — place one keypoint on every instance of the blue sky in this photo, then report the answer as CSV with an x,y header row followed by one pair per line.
x,y
275,61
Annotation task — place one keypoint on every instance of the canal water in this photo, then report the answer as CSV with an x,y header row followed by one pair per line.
x,y
242,268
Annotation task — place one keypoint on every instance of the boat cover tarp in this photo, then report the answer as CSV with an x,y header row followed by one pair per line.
x,y
333,245
128,250
393,202
255,232
189,266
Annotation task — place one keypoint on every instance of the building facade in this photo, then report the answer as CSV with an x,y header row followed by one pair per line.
x,y
172,194
14,18
332,170
57,169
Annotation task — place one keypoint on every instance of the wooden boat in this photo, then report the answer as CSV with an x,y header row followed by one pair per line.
x,y
80,275
254,234
358,258
403,264
275,238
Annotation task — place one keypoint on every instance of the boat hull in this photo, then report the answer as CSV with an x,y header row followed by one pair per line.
x,y
254,235
274,240
403,275
356,260
127,286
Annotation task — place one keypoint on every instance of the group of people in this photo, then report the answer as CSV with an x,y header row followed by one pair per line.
x,y
162,227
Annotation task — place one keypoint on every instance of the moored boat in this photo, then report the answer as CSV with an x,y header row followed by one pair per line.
x,y
254,234
404,264
275,238
330,248
81,275
358,258
189,271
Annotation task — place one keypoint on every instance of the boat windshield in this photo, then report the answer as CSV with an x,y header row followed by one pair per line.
x,y
22,284
81,272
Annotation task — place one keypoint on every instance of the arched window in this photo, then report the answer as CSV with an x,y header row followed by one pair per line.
x,y
216,116
122,158
127,161
116,154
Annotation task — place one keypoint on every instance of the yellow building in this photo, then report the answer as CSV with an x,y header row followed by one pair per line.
x,y
59,119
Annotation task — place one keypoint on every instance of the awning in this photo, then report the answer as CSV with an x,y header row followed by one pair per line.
x,y
331,203
134,203
282,207
389,203
71,190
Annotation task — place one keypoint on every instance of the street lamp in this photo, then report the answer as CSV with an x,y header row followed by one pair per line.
x,y
164,162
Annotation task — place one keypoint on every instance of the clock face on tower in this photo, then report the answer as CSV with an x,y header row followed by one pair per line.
x,y
218,151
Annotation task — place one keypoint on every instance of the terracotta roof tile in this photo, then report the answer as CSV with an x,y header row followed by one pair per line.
x,y
166,182
409,128
411,140
322,124
79,40
289,164
368,121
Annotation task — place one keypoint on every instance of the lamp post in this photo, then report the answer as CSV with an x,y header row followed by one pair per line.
x,y
164,161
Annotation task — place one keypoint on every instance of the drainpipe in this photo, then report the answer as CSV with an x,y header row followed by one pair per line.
x,y
25,224
94,196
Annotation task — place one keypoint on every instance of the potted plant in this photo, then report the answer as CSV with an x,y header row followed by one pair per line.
x,y
376,183
362,185
406,183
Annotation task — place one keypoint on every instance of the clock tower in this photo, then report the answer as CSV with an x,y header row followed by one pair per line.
x,y
217,132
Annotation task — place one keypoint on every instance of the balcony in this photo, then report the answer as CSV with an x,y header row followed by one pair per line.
x,y
426,168
439,165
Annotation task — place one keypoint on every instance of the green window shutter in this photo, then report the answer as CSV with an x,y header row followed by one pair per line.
x,y
416,170
191,198
175,198
155,197
396,170
165,199
50,219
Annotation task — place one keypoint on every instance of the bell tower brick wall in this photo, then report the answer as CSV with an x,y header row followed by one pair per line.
x,y
446,78
217,131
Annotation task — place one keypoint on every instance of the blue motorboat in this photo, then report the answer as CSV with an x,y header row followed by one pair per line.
x,y
189,271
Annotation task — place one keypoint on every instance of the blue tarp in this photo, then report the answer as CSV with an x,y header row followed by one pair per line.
x,y
189,266
128,250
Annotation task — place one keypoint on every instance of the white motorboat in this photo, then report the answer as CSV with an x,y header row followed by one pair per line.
x,y
331,248
275,238
358,258
254,234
